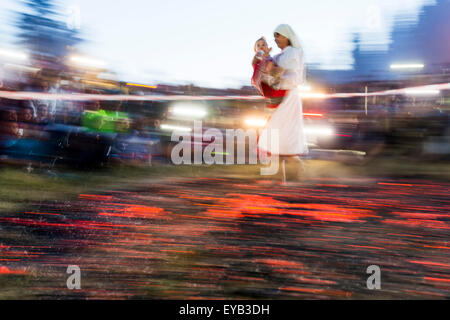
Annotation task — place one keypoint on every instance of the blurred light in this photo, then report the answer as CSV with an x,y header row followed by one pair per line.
x,y
13,54
313,95
407,66
255,122
344,135
422,92
189,111
175,128
395,184
107,76
305,87
98,84
319,130
312,114
22,68
88,62
141,85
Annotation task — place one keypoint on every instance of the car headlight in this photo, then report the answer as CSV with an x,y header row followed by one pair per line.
x,y
189,111
319,130
169,127
255,122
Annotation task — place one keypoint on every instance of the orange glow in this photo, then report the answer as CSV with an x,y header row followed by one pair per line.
x,y
317,291
437,279
332,185
6,270
281,263
50,214
437,247
307,290
315,281
95,197
141,85
430,263
395,184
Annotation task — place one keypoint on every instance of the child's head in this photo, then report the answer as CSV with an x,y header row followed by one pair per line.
x,y
261,44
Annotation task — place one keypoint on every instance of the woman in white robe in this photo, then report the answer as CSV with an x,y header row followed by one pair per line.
x,y
287,119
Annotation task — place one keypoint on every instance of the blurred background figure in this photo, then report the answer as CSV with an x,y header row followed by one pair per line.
x,y
26,114
43,116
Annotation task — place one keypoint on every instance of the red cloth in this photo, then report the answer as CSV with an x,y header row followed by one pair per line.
x,y
265,90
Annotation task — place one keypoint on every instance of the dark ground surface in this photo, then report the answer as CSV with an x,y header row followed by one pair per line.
x,y
232,238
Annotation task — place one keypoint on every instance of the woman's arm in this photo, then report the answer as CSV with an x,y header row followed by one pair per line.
x,y
292,63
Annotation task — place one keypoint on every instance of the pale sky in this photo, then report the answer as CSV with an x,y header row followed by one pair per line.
x,y
210,42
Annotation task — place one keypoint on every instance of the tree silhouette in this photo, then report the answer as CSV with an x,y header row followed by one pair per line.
x,y
44,34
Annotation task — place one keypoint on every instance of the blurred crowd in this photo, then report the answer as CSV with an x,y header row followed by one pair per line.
x,y
79,133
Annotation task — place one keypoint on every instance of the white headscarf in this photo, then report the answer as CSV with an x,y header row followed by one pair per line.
x,y
286,30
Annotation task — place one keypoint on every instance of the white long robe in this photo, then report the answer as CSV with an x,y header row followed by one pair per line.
x,y
287,120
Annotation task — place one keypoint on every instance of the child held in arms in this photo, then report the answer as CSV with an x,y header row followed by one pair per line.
x,y
266,74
